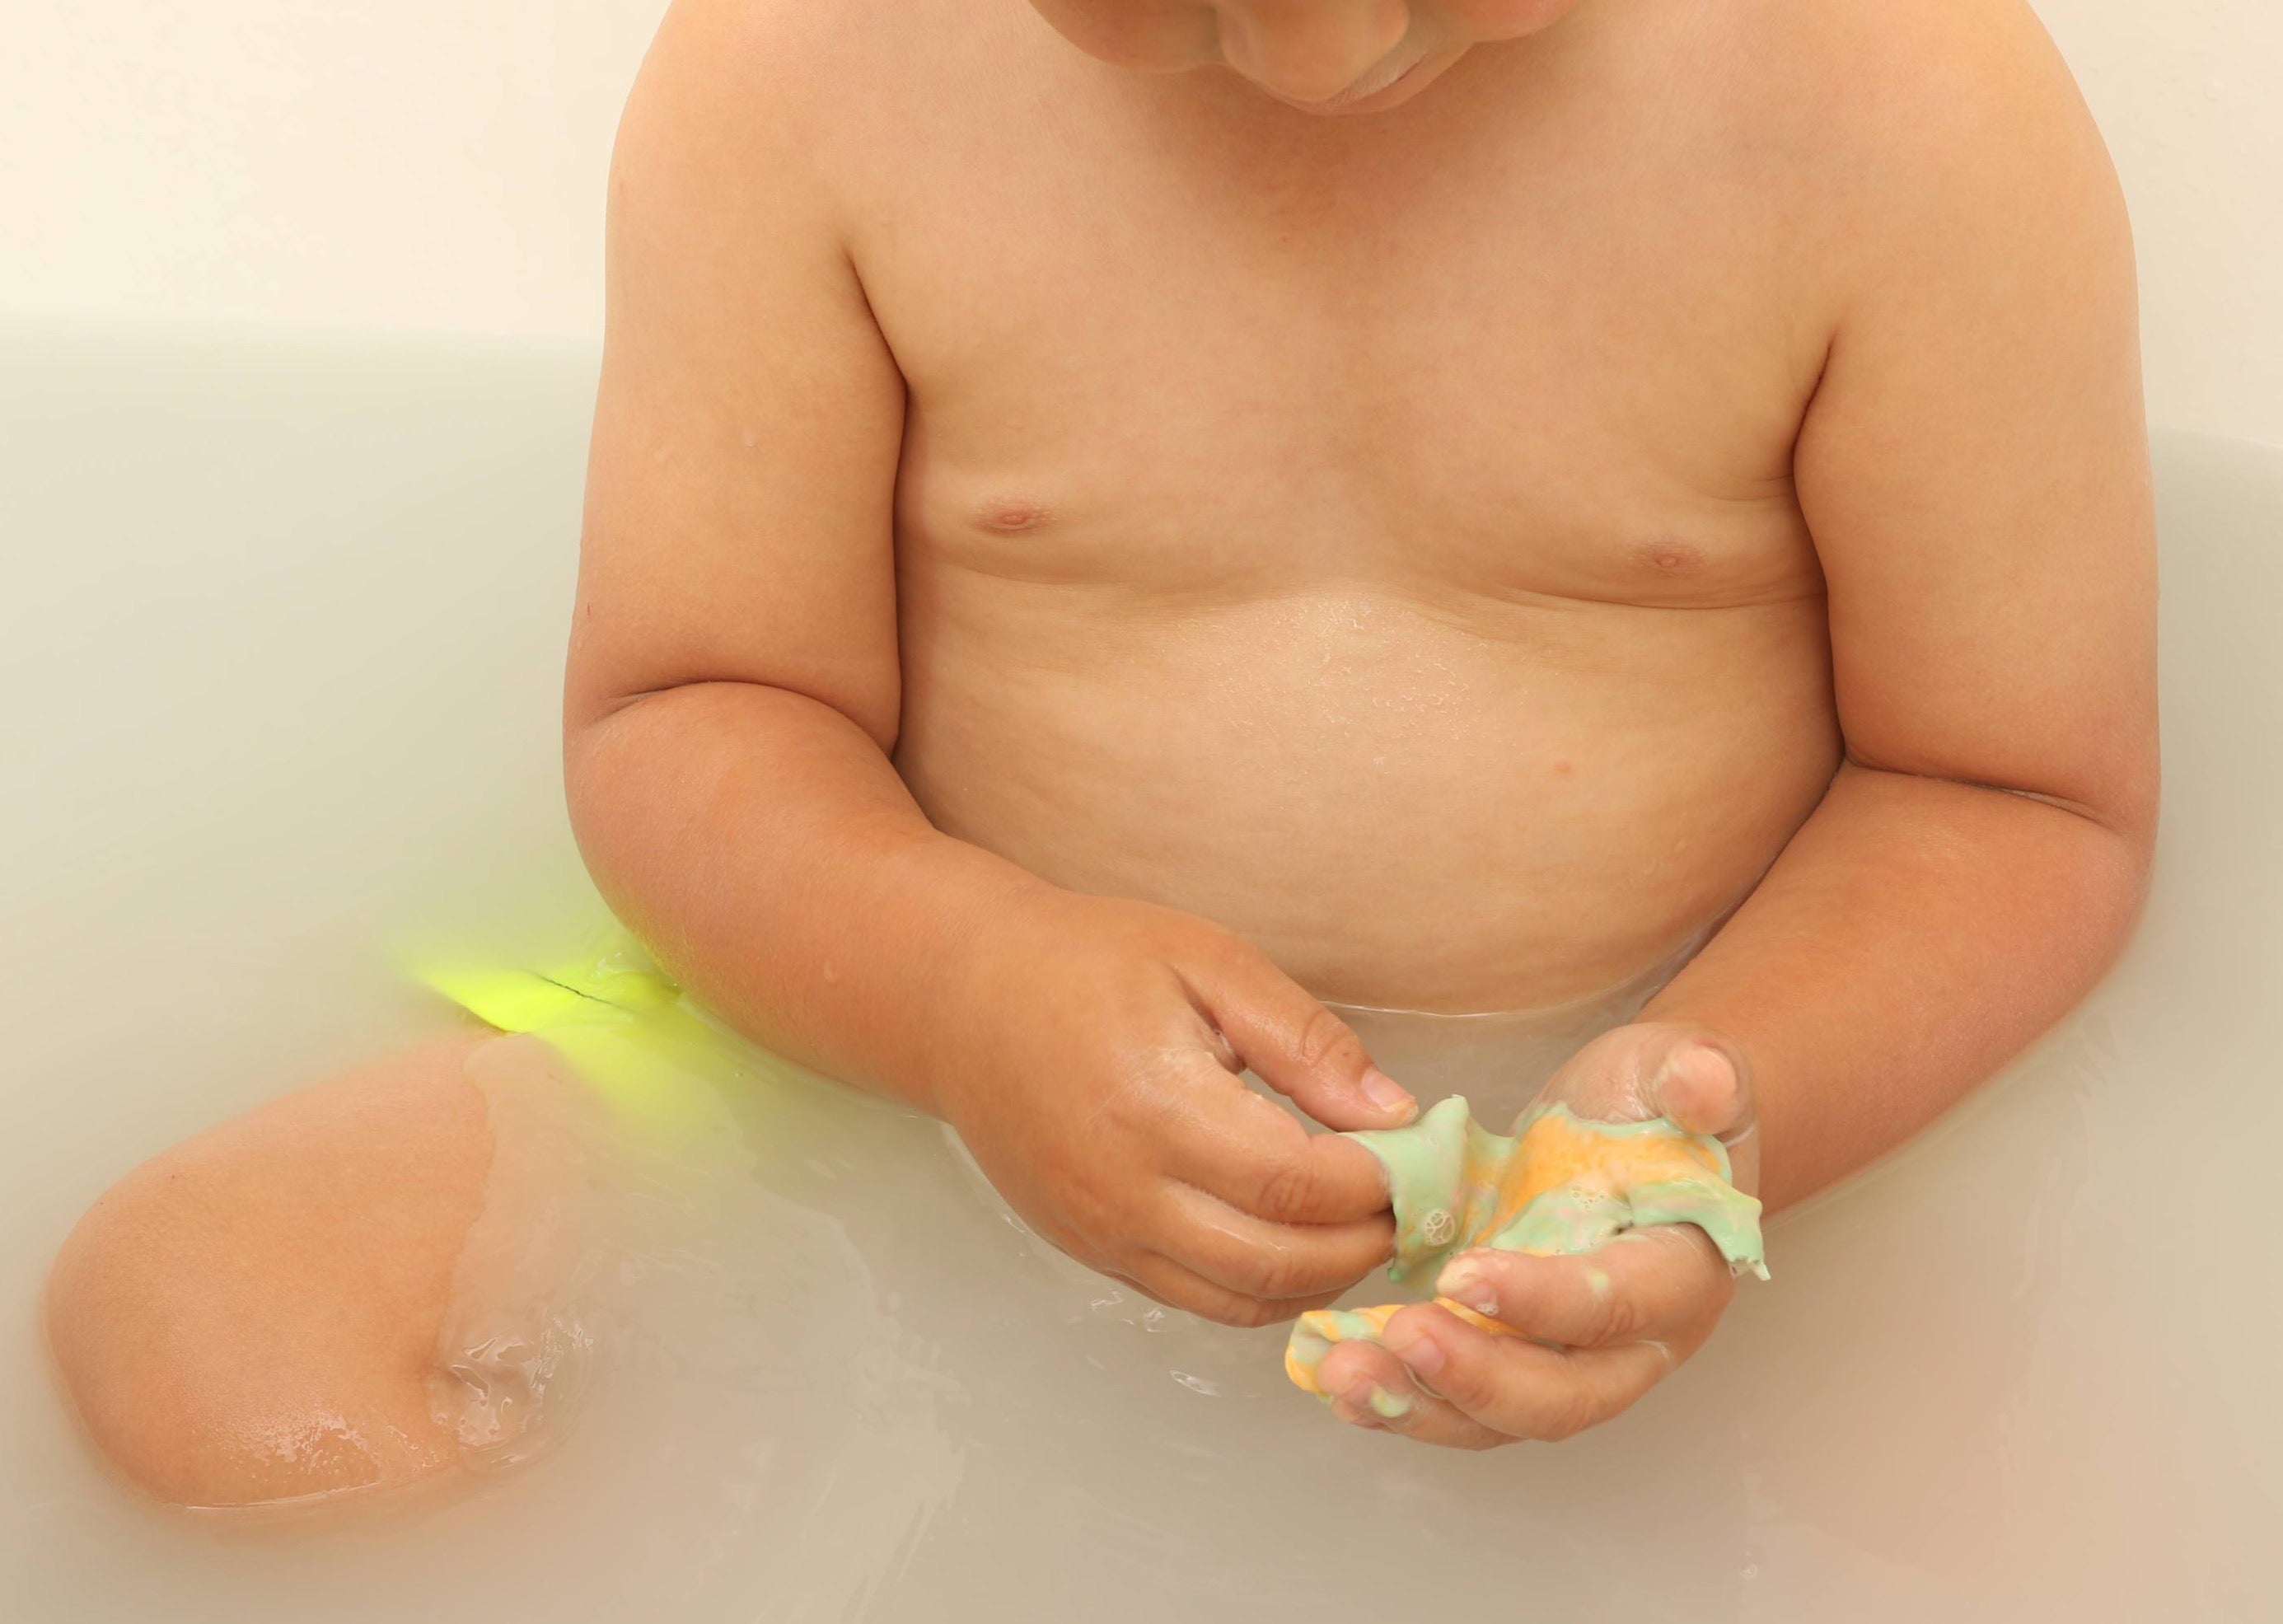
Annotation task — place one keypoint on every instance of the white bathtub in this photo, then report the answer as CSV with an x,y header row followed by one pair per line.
x,y
278,645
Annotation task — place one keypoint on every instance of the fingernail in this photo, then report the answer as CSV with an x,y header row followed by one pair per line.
x,y
1420,1352
1464,1282
1700,1063
1389,1406
1389,1095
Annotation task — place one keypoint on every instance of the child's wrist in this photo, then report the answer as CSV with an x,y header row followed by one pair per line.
x,y
961,974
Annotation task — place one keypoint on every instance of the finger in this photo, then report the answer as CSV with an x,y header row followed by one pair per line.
x,y
1272,1262
1177,1287
1518,1387
1700,1083
1372,1389
1296,1046
1232,1143
1690,1074
1667,1284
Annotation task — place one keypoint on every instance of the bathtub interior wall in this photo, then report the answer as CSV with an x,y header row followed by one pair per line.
x,y
435,165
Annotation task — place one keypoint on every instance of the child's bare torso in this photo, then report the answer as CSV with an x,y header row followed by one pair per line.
x,y
1375,535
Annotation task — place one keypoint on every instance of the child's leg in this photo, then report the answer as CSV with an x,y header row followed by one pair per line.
x,y
254,1315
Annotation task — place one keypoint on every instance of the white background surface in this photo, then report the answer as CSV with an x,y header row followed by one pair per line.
x,y
437,165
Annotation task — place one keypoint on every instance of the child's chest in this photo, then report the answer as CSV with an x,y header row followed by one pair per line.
x,y
1510,369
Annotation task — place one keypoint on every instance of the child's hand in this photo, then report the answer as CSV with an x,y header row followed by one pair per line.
x,y
1597,1330
1093,1070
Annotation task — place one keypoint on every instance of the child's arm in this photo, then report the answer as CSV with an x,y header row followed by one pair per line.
x,y
1974,470
733,695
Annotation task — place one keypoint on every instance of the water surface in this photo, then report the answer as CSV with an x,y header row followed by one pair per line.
x,y
280,644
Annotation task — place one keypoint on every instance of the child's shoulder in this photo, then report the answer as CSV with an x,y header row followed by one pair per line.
x,y
801,48
817,86
1937,139
1938,88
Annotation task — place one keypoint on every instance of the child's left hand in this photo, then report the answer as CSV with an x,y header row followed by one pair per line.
x,y
1600,1329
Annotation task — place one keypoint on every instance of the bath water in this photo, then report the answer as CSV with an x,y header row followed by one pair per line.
x,y
280,644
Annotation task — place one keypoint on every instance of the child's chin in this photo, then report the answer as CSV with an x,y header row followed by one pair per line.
x,y
1409,84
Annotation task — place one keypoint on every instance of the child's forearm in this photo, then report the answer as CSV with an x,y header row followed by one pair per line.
x,y
1915,935
1085,1049
761,843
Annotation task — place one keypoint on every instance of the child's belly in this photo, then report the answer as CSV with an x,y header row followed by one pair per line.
x,y
1450,806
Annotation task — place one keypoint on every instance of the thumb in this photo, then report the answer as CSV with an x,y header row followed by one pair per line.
x,y
1703,1083
1690,1074
1298,1047
1698,1078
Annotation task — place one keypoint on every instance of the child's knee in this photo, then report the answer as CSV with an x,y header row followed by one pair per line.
x,y
253,1315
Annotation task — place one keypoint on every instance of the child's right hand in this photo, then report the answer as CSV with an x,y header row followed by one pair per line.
x,y
1091,1069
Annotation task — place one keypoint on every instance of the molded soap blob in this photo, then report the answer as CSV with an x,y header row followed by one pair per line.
x,y
1560,1185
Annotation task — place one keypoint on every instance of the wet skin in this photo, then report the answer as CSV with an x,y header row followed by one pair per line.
x,y
1084,564
253,1315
